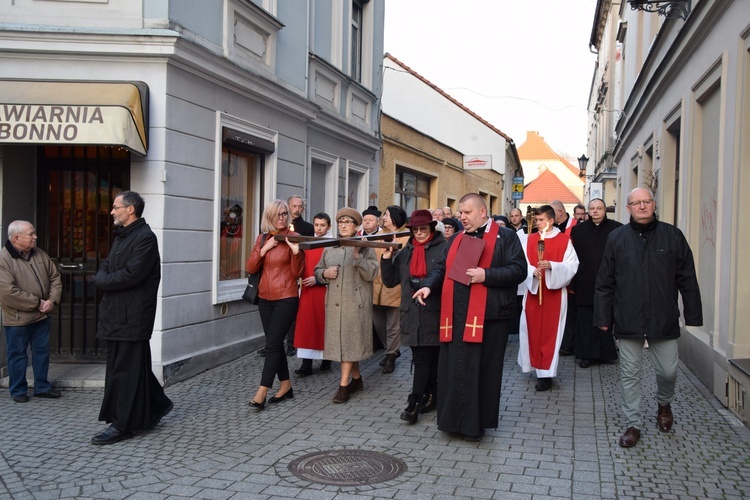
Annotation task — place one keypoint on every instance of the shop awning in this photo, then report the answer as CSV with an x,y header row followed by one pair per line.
x,y
74,112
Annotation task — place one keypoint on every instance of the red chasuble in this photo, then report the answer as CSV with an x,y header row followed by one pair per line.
x,y
309,332
543,320
474,328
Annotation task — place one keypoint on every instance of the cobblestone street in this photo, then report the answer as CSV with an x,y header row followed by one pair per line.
x,y
558,444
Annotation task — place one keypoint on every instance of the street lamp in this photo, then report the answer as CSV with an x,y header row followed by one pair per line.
x,y
582,162
670,9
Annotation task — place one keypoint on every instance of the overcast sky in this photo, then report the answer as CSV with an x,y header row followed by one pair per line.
x,y
519,64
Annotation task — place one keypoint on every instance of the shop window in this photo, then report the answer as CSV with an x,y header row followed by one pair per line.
x,y
239,171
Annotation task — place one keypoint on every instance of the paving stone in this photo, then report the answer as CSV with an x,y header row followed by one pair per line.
x,y
560,444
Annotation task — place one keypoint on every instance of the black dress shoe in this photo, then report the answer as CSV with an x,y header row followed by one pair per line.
x,y
287,395
325,365
544,384
302,373
51,394
257,406
585,363
21,398
111,435
564,351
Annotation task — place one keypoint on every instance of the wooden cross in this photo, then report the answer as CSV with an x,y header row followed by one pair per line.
x,y
311,242
474,327
446,327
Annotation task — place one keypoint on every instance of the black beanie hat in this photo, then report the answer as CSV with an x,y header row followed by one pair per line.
x,y
398,215
372,210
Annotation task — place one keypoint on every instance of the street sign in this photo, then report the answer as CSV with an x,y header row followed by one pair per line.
x,y
518,188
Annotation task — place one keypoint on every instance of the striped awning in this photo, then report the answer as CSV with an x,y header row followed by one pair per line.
x,y
74,112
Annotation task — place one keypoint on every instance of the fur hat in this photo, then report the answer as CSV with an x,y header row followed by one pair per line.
x,y
351,213
421,218
372,210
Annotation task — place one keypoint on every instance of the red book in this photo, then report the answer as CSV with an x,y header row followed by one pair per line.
x,y
467,257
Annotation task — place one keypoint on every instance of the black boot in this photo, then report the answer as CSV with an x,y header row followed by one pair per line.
x,y
306,369
428,403
411,413
390,363
325,365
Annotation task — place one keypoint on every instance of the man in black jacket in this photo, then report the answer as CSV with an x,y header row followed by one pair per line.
x,y
645,264
133,398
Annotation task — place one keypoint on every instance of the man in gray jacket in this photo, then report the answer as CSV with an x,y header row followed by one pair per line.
x,y
30,287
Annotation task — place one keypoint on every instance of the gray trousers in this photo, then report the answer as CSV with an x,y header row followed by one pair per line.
x,y
664,354
387,322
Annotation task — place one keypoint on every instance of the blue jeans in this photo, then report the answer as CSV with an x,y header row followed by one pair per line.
x,y
18,339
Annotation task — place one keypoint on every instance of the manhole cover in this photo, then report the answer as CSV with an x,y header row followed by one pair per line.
x,y
347,467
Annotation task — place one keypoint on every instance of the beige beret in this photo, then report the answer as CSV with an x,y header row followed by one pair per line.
x,y
351,213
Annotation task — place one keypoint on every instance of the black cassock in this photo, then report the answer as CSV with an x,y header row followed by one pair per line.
x,y
589,241
470,374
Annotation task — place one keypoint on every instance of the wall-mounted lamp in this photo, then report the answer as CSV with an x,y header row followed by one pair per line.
x,y
670,9
582,162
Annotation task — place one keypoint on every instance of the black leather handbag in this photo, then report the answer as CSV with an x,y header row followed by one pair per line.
x,y
253,280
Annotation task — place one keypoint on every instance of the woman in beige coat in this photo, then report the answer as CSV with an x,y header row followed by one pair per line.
x,y
349,272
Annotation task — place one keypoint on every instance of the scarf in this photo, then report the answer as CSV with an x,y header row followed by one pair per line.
x,y
474,327
418,263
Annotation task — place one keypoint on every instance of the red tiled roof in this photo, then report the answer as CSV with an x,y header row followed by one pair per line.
x,y
534,148
547,188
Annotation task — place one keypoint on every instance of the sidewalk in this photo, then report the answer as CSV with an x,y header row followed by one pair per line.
x,y
558,444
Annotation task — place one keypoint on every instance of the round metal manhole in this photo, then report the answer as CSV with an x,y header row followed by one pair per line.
x,y
347,467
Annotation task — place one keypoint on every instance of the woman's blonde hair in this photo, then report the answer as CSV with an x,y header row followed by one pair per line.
x,y
271,215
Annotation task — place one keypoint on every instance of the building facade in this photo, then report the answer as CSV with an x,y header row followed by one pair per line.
x,y
209,109
681,109
425,116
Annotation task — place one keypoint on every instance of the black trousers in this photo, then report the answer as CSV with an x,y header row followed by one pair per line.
x,y
277,317
425,360
132,395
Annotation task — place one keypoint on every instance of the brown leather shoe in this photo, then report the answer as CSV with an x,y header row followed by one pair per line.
x,y
630,438
664,418
342,395
355,385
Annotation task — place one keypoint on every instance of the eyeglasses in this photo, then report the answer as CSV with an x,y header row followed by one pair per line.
x,y
346,222
283,214
115,207
423,229
642,203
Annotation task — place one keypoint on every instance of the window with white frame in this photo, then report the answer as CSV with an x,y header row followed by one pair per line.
x,y
356,42
246,160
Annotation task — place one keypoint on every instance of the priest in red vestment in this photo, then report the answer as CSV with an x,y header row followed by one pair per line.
x,y
552,265
484,266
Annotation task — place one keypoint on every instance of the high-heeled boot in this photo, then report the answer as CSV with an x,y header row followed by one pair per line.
x,y
411,413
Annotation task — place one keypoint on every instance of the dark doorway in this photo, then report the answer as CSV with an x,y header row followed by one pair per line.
x,y
77,187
